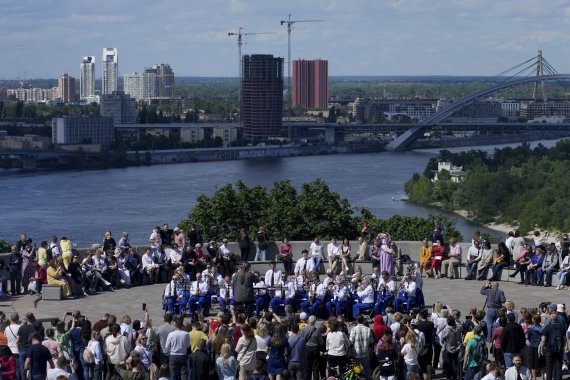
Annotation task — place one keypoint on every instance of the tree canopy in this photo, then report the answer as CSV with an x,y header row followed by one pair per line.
x,y
303,214
519,186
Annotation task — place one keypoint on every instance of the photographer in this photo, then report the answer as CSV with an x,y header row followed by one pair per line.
x,y
494,301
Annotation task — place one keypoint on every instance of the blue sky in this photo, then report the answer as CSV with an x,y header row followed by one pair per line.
x,y
45,38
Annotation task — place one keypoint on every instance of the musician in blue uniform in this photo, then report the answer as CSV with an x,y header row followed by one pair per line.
x,y
365,294
407,293
172,293
339,299
226,293
198,294
285,294
385,295
262,297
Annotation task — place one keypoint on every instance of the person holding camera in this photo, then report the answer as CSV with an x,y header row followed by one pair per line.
x,y
494,301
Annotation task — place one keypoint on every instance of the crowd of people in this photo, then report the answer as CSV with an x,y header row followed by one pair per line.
x,y
282,324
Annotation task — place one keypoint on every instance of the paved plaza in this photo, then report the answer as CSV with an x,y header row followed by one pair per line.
x,y
458,294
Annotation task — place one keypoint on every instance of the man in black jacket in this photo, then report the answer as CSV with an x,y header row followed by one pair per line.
x,y
201,362
512,340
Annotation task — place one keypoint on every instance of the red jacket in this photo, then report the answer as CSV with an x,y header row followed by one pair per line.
x,y
8,368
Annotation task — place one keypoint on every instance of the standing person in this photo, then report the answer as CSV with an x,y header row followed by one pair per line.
x,y
243,288
513,340
427,327
94,346
518,372
385,252
553,341
15,265
337,344
162,332
177,344
11,333
410,354
109,243
333,254
361,338
194,236
494,301
295,358
278,348
314,340
201,362
262,245
363,254
243,242
226,364
24,333
451,342
38,358
246,348
471,363
117,349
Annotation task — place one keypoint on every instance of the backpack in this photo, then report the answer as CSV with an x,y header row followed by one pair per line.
x,y
555,338
88,356
386,363
421,346
480,351
49,253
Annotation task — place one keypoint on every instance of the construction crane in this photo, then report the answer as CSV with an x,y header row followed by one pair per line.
x,y
240,35
289,24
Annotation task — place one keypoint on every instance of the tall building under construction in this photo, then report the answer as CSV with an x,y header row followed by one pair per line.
x,y
262,97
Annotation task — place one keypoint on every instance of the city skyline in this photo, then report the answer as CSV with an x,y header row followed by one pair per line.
x,y
397,37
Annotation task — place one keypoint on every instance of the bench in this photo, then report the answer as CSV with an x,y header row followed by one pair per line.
x,y
52,293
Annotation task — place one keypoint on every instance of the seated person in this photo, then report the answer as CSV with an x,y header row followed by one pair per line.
x,y
386,289
365,294
438,255
339,299
473,257
486,261
406,294
535,263
502,259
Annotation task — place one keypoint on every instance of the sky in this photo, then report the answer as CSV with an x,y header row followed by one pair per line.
x,y
46,38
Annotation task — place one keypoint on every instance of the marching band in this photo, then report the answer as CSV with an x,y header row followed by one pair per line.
x,y
333,296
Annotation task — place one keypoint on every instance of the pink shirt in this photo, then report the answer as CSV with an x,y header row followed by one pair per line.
x,y
180,239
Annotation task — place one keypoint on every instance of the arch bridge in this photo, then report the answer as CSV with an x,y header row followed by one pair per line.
x,y
408,137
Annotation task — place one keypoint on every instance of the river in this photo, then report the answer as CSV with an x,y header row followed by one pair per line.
x,y
83,204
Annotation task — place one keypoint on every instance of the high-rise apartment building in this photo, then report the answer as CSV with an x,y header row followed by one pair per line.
x,y
87,77
310,83
110,70
262,96
67,88
82,130
156,82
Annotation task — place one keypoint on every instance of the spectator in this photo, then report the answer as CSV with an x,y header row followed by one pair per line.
x,y
37,359
226,364
361,339
277,348
246,348
297,347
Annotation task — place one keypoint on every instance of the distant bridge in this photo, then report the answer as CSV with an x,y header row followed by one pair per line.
x,y
407,138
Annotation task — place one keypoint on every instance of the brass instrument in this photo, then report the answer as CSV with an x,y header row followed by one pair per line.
x,y
227,295
312,291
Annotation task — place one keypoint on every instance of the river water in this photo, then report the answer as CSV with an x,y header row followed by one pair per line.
x,y
83,204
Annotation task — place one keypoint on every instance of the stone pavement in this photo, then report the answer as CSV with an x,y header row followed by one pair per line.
x,y
458,294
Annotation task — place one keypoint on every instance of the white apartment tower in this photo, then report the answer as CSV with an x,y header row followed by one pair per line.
x,y
87,77
110,70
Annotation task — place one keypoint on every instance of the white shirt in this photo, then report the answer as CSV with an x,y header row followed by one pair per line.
x,y
172,289
336,343
390,285
275,273
455,252
54,250
511,373
366,295
100,263
154,239
333,250
474,253
53,373
288,289
341,294
199,288
316,250
410,354
227,288
328,279
320,291
147,261
11,333
307,264
225,250
261,286
173,255
410,287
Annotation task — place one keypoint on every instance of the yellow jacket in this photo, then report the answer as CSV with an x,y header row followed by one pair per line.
x,y
425,254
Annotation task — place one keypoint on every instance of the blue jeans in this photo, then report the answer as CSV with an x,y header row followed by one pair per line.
x,y
21,360
409,301
259,254
484,272
471,372
497,269
382,303
178,367
508,356
450,363
471,269
490,319
317,263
